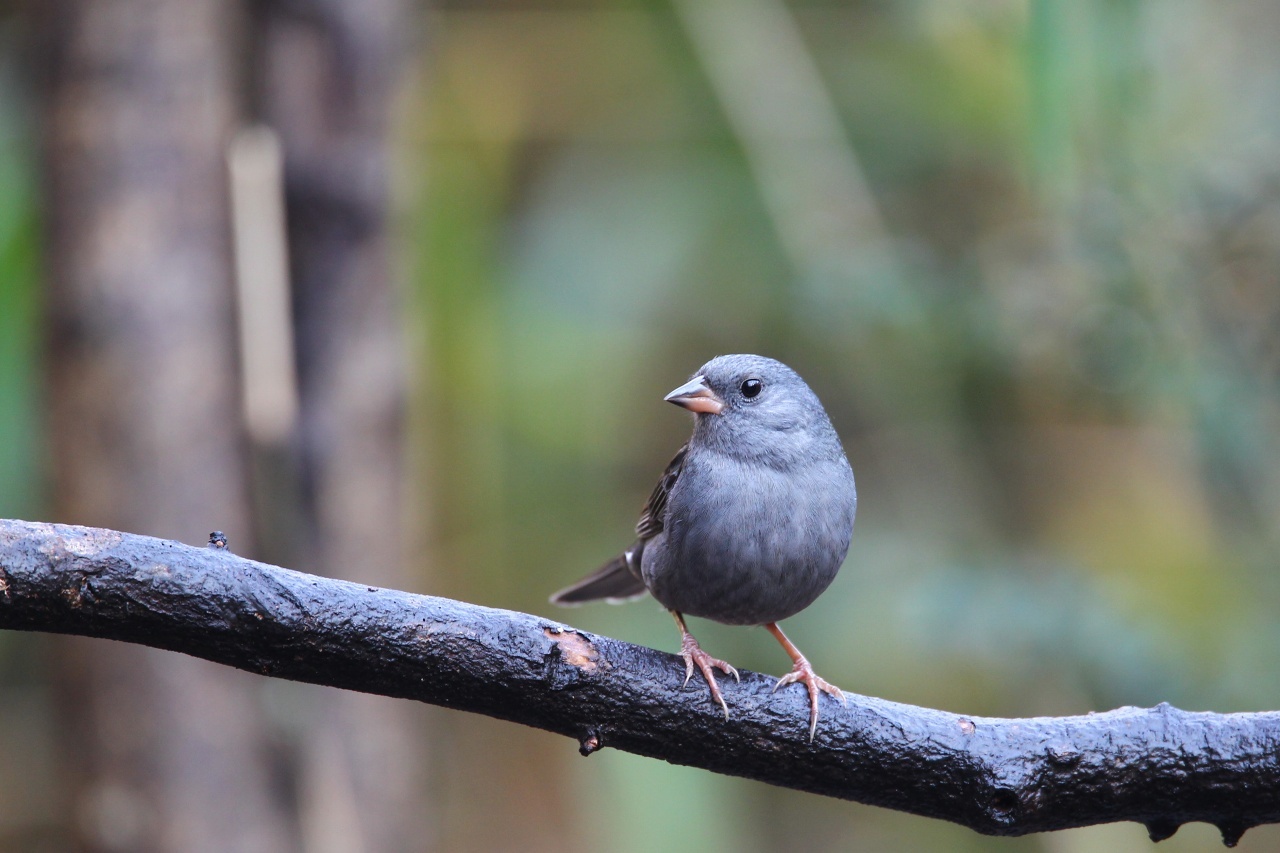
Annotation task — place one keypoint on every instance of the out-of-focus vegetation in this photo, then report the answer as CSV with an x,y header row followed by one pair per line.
x,y
1039,295
26,739
19,310
1055,374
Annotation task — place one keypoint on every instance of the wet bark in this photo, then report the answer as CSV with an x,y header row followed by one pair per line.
x,y
1160,766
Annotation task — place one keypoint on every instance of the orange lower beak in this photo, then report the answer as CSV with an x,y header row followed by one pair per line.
x,y
695,396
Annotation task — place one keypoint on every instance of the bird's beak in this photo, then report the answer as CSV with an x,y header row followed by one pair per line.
x,y
695,396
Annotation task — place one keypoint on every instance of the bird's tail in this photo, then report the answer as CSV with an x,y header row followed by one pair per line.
x,y
614,582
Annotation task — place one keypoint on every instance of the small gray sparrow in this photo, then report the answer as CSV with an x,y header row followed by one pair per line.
x,y
749,523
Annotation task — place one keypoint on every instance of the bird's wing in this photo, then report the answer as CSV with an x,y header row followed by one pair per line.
x,y
615,582
619,579
651,520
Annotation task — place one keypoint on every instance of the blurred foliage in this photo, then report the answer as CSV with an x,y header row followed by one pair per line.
x,y
1055,372
1056,378
19,309
26,737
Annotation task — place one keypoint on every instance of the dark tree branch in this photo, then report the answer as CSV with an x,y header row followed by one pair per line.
x,y
1160,766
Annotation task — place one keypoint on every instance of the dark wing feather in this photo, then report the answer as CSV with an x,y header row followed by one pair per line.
x,y
619,579
614,582
651,520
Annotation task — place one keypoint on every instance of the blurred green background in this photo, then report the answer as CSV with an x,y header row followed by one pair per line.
x,y
1027,253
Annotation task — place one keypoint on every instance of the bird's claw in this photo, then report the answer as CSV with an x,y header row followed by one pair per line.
x,y
803,673
694,656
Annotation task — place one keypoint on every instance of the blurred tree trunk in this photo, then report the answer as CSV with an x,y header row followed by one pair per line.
x,y
325,82
164,752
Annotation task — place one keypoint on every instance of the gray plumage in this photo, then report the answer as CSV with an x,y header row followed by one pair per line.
x,y
749,523
752,518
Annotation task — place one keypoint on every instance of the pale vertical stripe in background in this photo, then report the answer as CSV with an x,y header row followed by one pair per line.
x,y
789,126
262,285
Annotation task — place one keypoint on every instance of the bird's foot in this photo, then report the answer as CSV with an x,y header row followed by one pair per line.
x,y
803,673
694,656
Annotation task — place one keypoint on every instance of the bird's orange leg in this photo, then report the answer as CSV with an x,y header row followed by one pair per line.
x,y
804,673
694,656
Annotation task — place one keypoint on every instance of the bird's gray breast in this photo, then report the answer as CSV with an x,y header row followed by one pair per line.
x,y
747,544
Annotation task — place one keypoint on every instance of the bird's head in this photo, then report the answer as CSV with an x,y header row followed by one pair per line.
x,y
746,404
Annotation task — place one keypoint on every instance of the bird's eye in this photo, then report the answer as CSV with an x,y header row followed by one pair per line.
x,y
751,388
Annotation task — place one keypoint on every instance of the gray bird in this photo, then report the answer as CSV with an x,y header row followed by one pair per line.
x,y
750,521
